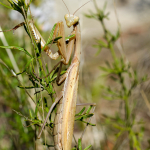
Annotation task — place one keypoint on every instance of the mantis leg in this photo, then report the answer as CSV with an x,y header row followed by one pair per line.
x,y
38,37
65,50
60,79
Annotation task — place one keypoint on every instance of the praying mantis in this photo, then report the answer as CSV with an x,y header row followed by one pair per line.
x,y
66,99
64,120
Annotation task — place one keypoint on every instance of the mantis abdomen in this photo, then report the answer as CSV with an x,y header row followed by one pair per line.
x,y
64,120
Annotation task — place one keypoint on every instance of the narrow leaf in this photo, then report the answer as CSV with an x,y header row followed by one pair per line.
x,y
55,76
27,87
20,72
54,40
17,48
31,116
80,112
29,62
88,147
45,102
20,114
30,2
50,36
88,116
73,148
99,50
48,145
104,7
6,5
88,123
102,43
79,144
37,105
84,117
89,109
69,37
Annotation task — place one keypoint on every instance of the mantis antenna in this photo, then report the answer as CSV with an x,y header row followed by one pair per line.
x,y
81,6
66,7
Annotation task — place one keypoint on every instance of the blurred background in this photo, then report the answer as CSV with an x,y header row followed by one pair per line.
x,y
132,18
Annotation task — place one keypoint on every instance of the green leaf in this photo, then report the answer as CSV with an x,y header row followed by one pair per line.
x,y
17,48
88,16
55,40
108,64
79,144
37,105
118,34
39,48
104,69
80,112
83,117
46,109
29,62
47,72
6,5
88,147
90,107
45,102
91,15
73,148
15,6
27,87
55,76
30,2
20,114
99,49
31,116
102,43
104,7
50,37
20,72
69,37
87,116
88,123
48,145
37,121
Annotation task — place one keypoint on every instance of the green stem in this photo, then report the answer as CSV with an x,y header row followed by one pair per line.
x,y
111,47
110,44
131,143
105,31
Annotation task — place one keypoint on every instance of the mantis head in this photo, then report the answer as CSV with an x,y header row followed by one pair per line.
x,y
71,20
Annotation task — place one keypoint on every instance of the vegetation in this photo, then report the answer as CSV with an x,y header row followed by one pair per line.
x,y
25,94
120,73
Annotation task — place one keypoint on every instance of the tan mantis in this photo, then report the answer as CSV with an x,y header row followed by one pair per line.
x,y
64,120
